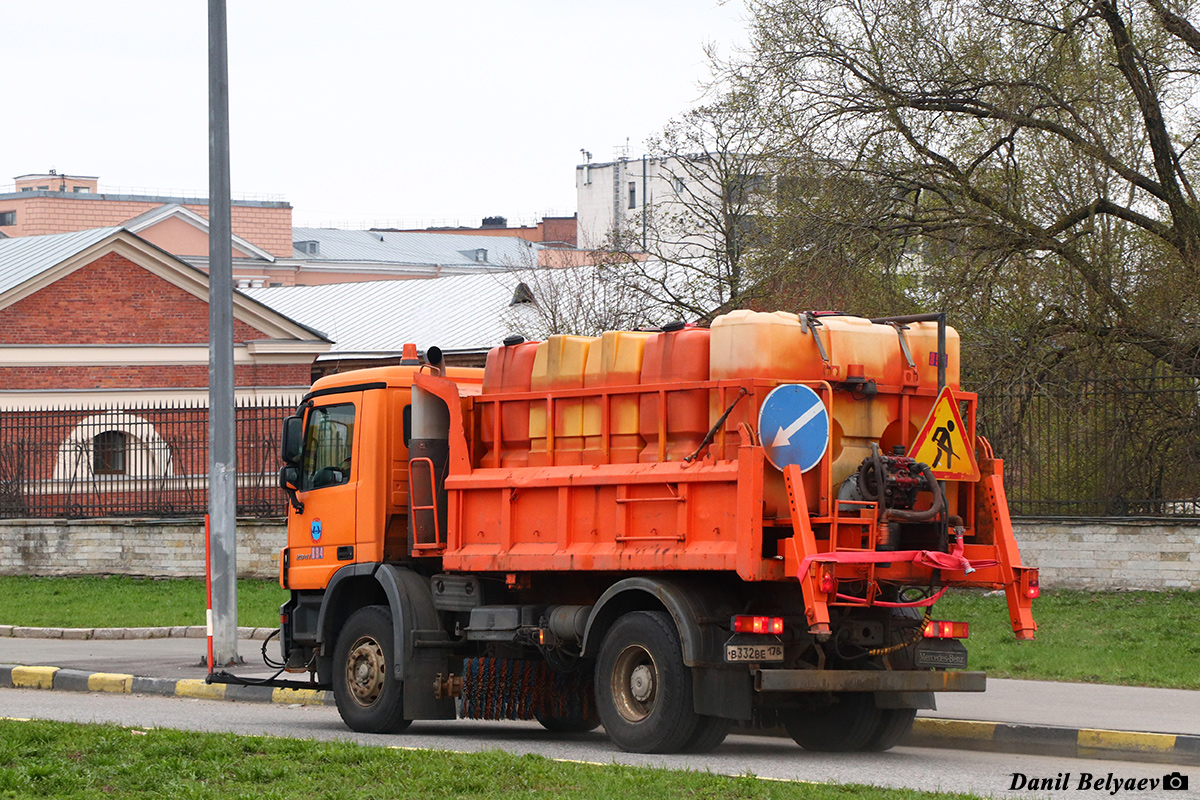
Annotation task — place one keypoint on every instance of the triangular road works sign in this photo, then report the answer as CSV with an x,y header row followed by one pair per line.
x,y
942,442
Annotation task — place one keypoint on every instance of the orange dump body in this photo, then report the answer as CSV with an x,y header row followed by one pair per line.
x,y
581,504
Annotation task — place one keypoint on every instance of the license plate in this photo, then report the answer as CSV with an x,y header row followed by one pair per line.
x,y
737,653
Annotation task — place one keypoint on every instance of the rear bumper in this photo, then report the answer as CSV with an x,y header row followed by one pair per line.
x,y
822,680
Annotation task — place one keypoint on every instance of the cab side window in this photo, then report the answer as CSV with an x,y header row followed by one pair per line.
x,y
328,439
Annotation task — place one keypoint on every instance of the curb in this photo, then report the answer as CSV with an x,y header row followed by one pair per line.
x,y
172,632
1008,737
957,734
73,680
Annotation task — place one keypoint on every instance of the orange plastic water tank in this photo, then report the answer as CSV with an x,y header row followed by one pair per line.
x,y
508,369
760,344
922,343
674,429
615,360
559,363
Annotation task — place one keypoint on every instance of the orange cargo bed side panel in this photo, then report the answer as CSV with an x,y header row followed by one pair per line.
x,y
605,517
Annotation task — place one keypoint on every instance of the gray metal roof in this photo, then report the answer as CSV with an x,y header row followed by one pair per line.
x,y
426,249
458,313
25,257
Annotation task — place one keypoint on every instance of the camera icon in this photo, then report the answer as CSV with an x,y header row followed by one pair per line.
x,y
1175,782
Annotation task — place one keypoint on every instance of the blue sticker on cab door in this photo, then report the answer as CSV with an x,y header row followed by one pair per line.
x,y
316,530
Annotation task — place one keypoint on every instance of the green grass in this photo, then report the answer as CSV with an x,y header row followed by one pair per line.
x,y
1132,638
63,760
123,602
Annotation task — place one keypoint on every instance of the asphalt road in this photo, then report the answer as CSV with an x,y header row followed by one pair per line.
x,y
1079,705
947,770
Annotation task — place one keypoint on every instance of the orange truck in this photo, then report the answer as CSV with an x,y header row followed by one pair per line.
x,y
662,532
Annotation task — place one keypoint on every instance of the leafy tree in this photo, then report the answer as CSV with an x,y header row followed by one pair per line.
x,y
1030,161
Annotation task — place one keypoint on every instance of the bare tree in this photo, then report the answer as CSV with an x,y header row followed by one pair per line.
x,y
1033,159
712,178
583,300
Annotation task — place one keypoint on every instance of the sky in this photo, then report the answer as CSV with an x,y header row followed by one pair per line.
x,y
359,112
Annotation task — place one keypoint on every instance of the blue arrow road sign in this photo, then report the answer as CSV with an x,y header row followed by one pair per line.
x,y
793,425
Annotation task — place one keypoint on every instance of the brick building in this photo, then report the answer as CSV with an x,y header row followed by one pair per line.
x,y
111,332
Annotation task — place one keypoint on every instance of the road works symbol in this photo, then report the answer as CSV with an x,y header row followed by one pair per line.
x,y
942,442
794,427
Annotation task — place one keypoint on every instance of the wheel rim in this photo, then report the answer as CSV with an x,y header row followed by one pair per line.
x,y
366,671
635,683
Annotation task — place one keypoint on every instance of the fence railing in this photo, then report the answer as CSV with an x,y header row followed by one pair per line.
x,y
144,461
1111,447
1107,447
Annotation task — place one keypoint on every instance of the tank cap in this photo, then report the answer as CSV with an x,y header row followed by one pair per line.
x,y
515,339
671,327
897,449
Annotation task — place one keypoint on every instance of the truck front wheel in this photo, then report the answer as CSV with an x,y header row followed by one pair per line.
x,y
643,688
368,696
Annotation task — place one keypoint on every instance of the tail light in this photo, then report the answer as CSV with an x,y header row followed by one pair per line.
x,y
940,629
1029,584
828,583
746,624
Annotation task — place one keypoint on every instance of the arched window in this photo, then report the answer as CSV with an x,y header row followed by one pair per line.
x,y
110,452
113,443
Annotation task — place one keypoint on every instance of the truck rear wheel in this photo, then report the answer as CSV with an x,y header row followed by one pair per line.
x,y
894,724
709,733
368,696
847,725
643,688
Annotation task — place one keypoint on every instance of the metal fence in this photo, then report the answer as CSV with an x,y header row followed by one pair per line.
x,y
1107,447
1100,447
144,461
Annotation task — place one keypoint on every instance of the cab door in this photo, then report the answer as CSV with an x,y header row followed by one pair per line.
x,y
321,538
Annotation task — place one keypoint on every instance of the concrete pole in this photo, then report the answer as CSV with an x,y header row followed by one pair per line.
x,y
222,451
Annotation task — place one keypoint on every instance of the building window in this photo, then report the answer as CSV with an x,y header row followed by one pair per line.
x,y
81,189
632,194
109,450
43,188
8,218
26,188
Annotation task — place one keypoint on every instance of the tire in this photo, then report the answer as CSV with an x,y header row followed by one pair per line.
x,y
846,726
568,725
368,697
709,733
894,724
643,688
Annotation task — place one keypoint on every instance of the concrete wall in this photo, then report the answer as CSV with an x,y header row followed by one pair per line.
x,y
1076,554
1112,554
171,548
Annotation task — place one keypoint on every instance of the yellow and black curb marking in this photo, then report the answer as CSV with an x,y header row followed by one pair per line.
x,y
956,734
72,680
1007,737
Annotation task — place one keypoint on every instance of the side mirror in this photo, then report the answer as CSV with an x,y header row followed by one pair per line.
x,y
289,481
293,440
289,477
